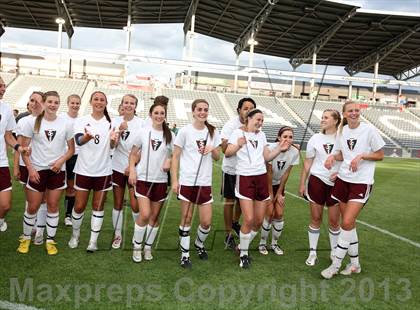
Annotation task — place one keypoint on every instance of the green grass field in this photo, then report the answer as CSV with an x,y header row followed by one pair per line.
x,y
108,279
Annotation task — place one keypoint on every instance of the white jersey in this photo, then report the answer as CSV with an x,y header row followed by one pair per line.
x,y
352,142
94,157
71,120
229,163
127,137
250,157
191,140
319,147
49,143
7,123
154,151
282,162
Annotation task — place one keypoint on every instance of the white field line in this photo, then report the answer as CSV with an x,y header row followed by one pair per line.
x,y
381,230
12,306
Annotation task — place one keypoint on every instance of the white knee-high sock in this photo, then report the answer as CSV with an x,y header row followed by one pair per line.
x,y
244,241
202,235
333,234
117,220
276,230
135,215
77,220
184,240
343,244
96,225
265,231
28,224
41,218
139,232
354,248
52,224
313,235
151,233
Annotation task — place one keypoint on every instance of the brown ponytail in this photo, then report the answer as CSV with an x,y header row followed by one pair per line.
x,y
107,115
344,121
39,118
210,127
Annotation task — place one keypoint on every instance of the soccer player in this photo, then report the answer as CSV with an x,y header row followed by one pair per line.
x,y
228,173
51,140
250,146
195,148
94,135
316,183
128,126
359,145
7,125
150,178
36,106
73,107
278,171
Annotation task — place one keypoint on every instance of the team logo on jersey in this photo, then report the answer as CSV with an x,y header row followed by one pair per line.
x,y
351,143
125,134
201,144
328,147
281,164
254,143
155,144
50,134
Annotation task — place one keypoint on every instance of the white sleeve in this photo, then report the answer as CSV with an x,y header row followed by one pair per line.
x,y
216,138
79,127
338,146
11,123
264,139
27,129
310,148
69,131
233,139
180,138
295,160
227,131
376,141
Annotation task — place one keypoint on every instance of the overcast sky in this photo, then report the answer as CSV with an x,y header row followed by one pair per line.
x,y
170,41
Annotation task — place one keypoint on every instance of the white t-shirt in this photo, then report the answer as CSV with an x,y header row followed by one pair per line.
x,y
352,142
190,140
71,120
319,147
50,143
127,137
250,157
94,156
148,122
282,162
229,163
154,151
7,123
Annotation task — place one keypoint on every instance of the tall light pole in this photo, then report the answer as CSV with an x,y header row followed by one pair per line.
x,y
60,21
252,43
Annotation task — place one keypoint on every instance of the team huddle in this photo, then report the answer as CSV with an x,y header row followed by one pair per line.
x,y
56,153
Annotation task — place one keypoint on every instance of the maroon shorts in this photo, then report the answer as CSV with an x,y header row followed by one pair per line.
x,y
319,192
5,179
97,184
253,187
344,191
23,175
48,179
156,192
120,179
199,195
276,188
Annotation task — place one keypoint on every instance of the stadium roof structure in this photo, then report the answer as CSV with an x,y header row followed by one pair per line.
x,y
339,34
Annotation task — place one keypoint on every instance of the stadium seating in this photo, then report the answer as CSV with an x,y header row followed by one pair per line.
x,y
19,91
7,77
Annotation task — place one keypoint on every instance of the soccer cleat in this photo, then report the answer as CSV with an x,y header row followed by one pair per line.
x,y
148,254
185,262
236,228
92,247
311,260
262,248
136,255
116,243
201,252
50,245
277,250
3,227
67,221
74,242
350,268
24,245
330,272
38,239
230,242
244,262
